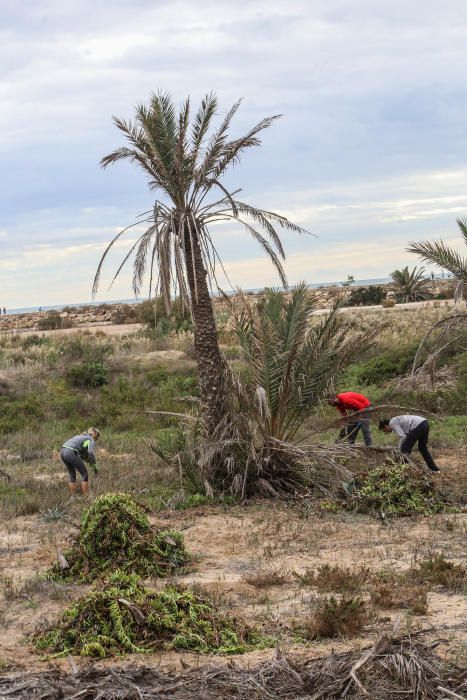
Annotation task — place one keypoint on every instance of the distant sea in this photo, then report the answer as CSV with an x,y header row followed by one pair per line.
x,y
59,307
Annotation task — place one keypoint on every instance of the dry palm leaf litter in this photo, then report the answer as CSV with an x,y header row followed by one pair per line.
x,y
120,615
115,533
389,670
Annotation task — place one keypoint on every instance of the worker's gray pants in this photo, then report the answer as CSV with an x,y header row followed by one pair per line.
x,y
73,463
350,431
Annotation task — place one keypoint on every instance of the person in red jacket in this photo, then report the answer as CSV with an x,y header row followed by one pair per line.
x,y
349,402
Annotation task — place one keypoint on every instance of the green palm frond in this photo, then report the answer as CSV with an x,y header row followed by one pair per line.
x,y
438,253
444,257
294,358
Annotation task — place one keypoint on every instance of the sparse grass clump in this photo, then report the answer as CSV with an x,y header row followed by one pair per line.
x,y
266,576
437,570
336,579
122,616
388,595
396,490
337,617
115,533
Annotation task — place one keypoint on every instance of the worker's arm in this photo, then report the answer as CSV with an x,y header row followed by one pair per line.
x,y
89,446
395,425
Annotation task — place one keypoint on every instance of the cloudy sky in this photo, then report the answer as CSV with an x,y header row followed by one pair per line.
x,y
371,151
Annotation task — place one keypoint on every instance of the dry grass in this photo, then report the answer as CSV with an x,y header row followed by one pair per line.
x,y
267,575
337,579
387,596
438,571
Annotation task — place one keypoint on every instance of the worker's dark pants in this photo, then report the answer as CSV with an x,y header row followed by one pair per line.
x,y
73,463
350,431
420,435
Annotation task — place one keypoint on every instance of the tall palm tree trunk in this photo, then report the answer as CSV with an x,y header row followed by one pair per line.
x,y
208,357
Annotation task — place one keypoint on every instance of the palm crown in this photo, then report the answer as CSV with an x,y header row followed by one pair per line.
x,y
411,285
187,166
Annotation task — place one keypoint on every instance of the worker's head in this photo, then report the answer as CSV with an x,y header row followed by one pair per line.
x,y
333,401
94,433
384,425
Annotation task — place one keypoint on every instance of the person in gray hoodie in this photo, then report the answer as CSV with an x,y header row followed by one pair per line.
x,y
74,453
411,430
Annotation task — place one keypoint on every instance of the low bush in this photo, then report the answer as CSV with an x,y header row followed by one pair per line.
x,y
120,615
332,618
389,595
386,365
115,533
53,321
17,414
88,375
337,579
365,296
437,570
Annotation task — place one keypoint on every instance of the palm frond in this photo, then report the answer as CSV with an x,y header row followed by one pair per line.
x,y
438,253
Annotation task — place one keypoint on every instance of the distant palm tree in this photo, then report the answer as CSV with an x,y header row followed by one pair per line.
x,y
411,285
440,254
187,167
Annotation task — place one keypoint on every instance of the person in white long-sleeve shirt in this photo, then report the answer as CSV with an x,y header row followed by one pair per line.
x,y
411,430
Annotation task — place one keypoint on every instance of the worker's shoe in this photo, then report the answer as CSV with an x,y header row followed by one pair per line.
x,y
434,469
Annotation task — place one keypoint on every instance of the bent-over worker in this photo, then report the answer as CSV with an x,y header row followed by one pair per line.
x,y
75,452
350,401
411,429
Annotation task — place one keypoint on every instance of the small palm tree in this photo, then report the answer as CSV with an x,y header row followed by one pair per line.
x,y
185,162
411,285
440,254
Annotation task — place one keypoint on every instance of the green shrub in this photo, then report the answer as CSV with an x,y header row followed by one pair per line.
x,y
386,365
17,414
88,375
52,321
154,314
120,615
365,296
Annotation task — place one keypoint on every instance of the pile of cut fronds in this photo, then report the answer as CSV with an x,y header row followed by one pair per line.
x,y
120,616
115,533
395,490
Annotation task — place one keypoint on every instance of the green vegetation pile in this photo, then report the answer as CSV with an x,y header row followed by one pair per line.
x,y
115,533
396,490
120,615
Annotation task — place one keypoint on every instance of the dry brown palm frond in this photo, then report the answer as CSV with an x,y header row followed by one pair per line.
x,y
388,670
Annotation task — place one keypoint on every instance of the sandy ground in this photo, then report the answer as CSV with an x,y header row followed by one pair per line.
x,y
229,546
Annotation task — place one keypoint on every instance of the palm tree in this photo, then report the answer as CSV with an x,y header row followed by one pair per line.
x,y
186,164
440,254
411,285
